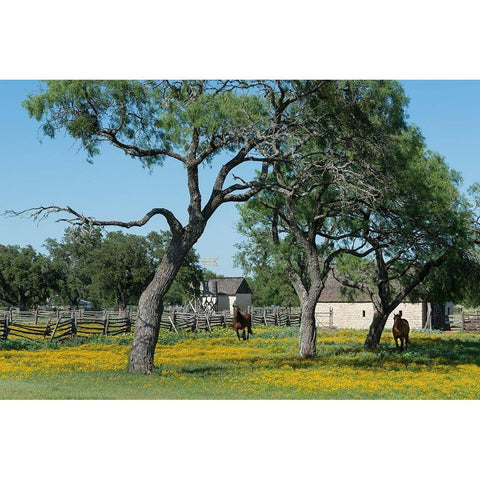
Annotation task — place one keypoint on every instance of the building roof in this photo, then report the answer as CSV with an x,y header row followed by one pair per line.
x,y
335,292
230,285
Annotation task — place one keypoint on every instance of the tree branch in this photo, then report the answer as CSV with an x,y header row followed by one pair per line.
x,y
135,151
79,220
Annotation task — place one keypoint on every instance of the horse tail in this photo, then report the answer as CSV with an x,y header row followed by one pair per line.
x,y
250,330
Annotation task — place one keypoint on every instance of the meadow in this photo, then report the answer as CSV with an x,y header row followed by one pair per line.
x,y
216,365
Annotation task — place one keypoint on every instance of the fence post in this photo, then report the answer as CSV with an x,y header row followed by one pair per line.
x,y
8,321
128,328
463,321
172,322
48,329
105,323
59,316
5,327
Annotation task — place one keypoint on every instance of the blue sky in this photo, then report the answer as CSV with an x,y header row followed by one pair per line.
x,y
117,187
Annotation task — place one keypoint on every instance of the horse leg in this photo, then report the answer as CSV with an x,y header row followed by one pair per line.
x,y
243,335
238,335
401,342
396,343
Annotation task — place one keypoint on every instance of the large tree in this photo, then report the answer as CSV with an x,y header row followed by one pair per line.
x,y
189,122
313,209
421,221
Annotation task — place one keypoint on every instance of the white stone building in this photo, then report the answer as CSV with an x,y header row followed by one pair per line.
x,y
335,309
224,292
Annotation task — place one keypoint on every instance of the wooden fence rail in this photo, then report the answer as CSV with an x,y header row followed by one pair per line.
x,y
470,322
467,322
180,320
55,325
60,324
275,316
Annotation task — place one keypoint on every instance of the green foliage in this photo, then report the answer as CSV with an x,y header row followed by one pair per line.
x,y
208,274
421,222
71,258
262,260
120,268
25,345
113,269
456,280
154,116
315,207
26,277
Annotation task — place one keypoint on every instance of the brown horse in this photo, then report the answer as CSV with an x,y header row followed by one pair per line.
x,y
242,321
400,330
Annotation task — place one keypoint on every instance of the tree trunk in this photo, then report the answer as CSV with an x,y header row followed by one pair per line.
x,y
308,330
22,303
150,306
147,327
376,329
122,306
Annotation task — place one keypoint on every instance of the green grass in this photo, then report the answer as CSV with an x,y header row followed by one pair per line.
x,y
216,365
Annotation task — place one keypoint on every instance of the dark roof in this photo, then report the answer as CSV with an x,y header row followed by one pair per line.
x,y
335,292
230,285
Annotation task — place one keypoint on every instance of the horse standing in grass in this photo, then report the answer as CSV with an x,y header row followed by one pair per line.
x,y
242,321
400,330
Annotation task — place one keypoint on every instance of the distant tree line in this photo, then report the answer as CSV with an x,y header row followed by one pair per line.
x,y
107,269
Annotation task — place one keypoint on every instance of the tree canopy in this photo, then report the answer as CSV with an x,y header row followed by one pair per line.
x,y
313,207
112,269
26,277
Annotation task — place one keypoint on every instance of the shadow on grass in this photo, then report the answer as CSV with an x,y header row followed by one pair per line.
x,y
194,369
426,352
422,353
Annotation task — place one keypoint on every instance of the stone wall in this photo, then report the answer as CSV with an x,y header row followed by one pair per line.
x,y
359,315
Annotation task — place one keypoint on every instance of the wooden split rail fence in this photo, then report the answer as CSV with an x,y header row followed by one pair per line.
x,y
62,323
56,325
275,316
175,319
178,320
468,322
